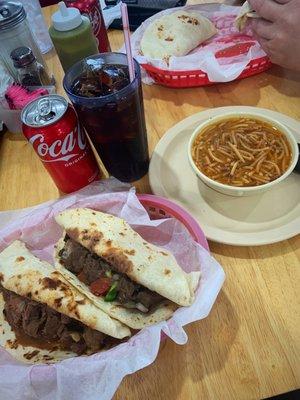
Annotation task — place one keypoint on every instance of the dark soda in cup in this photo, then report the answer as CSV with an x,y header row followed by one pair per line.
x,y
110,108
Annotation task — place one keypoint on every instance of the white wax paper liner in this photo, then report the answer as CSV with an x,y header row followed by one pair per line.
x,y
98,376
203,58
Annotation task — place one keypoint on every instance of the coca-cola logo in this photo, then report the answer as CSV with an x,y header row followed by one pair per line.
x,y
59,150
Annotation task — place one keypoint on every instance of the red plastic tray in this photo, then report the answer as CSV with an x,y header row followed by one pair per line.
x,y
186,79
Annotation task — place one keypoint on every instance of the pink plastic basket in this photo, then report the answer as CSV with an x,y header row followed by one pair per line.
x,y
159,207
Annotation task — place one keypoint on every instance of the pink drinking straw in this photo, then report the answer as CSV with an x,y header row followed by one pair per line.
x,y
127,41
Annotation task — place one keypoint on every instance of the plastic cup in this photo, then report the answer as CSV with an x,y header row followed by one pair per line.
x,y
115,123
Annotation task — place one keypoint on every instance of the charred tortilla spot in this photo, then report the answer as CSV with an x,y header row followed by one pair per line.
x,y
63,288
19,259
80,301
90,239
19,276
12,344
50,283
93,224
189,20
119,260
72,307
108,243
77,314
93,213
29,295
1,277
93,239
36,292
57,302
169,39
163,253
31,354
130,252
167,272
47,358
121,234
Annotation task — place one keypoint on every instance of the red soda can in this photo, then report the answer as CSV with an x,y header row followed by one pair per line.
x,y
51,126
92,9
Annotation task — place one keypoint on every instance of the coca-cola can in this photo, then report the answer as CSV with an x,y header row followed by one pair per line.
x,y
51,126
92,9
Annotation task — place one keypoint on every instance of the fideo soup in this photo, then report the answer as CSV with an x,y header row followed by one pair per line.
x,y
242,152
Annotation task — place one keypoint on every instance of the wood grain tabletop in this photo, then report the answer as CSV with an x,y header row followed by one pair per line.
x,y
249,345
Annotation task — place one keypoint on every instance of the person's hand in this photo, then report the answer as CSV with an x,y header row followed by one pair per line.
x,y
278,30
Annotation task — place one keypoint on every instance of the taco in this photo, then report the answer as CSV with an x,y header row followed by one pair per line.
x,y
130,279
45,319
246,12
176,34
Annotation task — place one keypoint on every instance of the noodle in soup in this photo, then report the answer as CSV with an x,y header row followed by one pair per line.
x,y
242,152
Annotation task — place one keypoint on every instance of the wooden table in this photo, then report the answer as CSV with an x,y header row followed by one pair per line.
x,y
249,346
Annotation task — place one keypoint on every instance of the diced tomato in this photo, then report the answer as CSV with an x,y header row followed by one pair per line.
x,y
101,286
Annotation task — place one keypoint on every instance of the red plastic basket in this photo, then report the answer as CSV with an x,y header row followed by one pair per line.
x,y
159,207
186,79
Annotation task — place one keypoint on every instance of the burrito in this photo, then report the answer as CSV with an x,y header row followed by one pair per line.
x,y
245,13
44,319
176,34
128,278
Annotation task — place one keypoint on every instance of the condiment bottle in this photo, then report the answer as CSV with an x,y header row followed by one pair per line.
x,y
15,32
72,36
30,72
92,9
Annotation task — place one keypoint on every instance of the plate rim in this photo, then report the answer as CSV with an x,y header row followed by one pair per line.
x,y
158,189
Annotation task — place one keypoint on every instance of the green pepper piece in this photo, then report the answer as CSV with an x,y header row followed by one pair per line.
x,y
112,293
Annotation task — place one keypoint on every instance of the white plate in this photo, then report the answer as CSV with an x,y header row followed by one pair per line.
x,y
256,220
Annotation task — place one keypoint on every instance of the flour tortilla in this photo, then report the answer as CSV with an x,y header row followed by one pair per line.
x,y
176,34
115,241
245,13
24,274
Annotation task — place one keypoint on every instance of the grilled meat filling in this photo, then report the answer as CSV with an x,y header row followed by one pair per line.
x,y
39,321
90,268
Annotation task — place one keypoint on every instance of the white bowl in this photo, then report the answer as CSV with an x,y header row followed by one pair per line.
x,y
249,190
